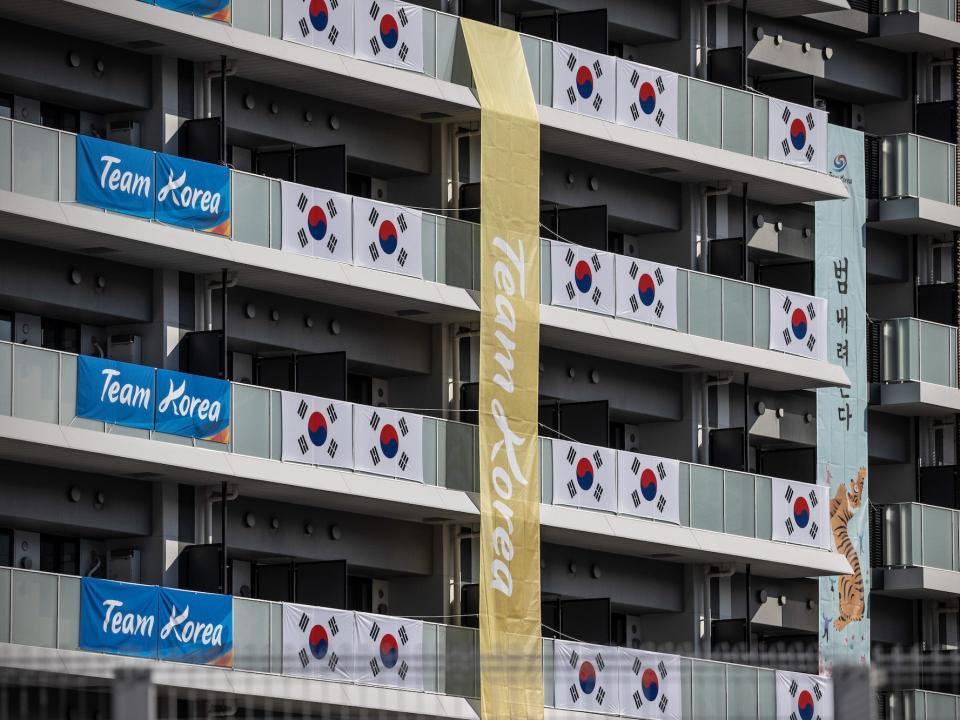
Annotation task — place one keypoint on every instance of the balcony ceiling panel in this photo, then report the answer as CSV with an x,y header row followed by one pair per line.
x,y
917,583
916,216
919,398
915,32
791,8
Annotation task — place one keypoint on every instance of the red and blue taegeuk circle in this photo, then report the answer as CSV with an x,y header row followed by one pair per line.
x,y
319,642
389,442
798,134
650,685
648,98
588,677
584,82
801,512
317,427
317,222
389,651
389,32
805,705
798,323
584,474
388,237
646,290
319,15
584,276
648,484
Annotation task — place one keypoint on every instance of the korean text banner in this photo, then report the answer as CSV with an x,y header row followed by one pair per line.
x,y
195,627
118,618
511,671
211,9
115,392
114,177
193,406
193,194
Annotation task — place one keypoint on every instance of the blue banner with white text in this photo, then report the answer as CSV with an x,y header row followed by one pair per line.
x,y
196,627
118,618
210,9
193,194
193,406
115,392
114,176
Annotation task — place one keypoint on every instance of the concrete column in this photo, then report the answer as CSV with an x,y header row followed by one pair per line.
x,y
162,548
133,694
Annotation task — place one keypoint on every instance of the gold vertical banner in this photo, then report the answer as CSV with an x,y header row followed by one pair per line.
x,y
511,666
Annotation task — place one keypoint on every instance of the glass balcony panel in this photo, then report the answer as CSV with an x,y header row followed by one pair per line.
x,y
546,471
940,8
461,667
6,154
546,279
901,349
761,119
252,15
682,100
706,490
766,693
531,53
738,503
276,216
703,112
6,378
68,390
429,657
35,166
737,121
934,160
935,355
276,637
431,245
737,312
684,494
459,238
683,304
549,699
68,635
276,18
709,689
706,314
251,421
433,450
251,635
763,499
546,72
276,427
938,548
461,471
761,317
251,209
36,383
940,706
34,609
68,167
742,702
5,604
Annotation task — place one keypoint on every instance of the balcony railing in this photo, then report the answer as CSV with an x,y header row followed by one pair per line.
x,y
946,9
918,167
41,162
916,535
919,351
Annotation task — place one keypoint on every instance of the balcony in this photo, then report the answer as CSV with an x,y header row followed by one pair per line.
x,y
921,705
921,552
37,419
917,186
919,368
917,26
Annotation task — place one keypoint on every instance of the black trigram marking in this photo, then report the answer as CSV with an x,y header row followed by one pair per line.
x,y
404,669
334,4
402,257
570,293
334,627
375,456
374,11
601,693
634,113
373,216
817,691
595,296
810,120
788,496
634,305
637,666
375,421
637,699
332,448
334,661
598,459
302,203
597,102
811,312
809,153
660,117
786,336
302,409
404,429
302,443
374,667
375,45
658,275
663,704
403,461
402,633
402,14
786,147
402,222
304,28
304,622
635,496
661,471
571,455
813,498
571,61
332,37
571,488
598,69
659,83
332,208
374,252
574,695
403,52
789,525
634,78
811,341
661,504
598,493
574,658
793,688
658,308
635,466
571,95
599,662
302,237
785,116
787,304
332,244
793,716
304,658
375,631
569,257
662,667
814,529
595,261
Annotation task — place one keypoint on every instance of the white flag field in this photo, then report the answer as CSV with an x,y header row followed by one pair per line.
x,y
388,442
316,431
797,135
326,24
389,651
650,685
646,291
387,237
798,324
584,82
804,697
584,476
390,32
318,642
800,513
646,98
316,222
582,278
648,486
585,677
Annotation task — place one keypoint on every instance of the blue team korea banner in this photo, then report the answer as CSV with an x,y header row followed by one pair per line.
x,y
210,9
193,406
195,627
193,194
114,177
118,618
115,392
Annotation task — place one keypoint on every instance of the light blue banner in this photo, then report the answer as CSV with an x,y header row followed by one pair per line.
x,y
842,414
193,194
114,177
196,627
118,618
193,406
115,392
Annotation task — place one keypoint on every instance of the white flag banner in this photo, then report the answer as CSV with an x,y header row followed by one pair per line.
x,y
585,677
800,512
650,685
316,222
387,237
804,697
648,486
647,291
326,24
318,642
388,442
390,33
797,135
389,651
798,324
646,98
582,278
316,431
584,476
584,82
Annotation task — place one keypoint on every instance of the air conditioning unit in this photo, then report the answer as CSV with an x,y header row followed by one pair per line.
x,y
124,565
126,132
126,348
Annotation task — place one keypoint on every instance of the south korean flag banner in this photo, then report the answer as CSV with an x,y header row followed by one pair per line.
x,y
584,82
648,486
647,292
387,237
584,476
804,697
388,442
799,512
389,651
582,278
316,222
646,98
585,677
797,135
650,685
390,33
798,324
316,431
318,642
326,24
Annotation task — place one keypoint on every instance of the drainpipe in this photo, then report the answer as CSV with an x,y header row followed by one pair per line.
x,y
214,496
708,576
743,53
746,423
956,235
208,299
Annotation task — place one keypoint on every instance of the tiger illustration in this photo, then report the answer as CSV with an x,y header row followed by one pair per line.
x,y
849,587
